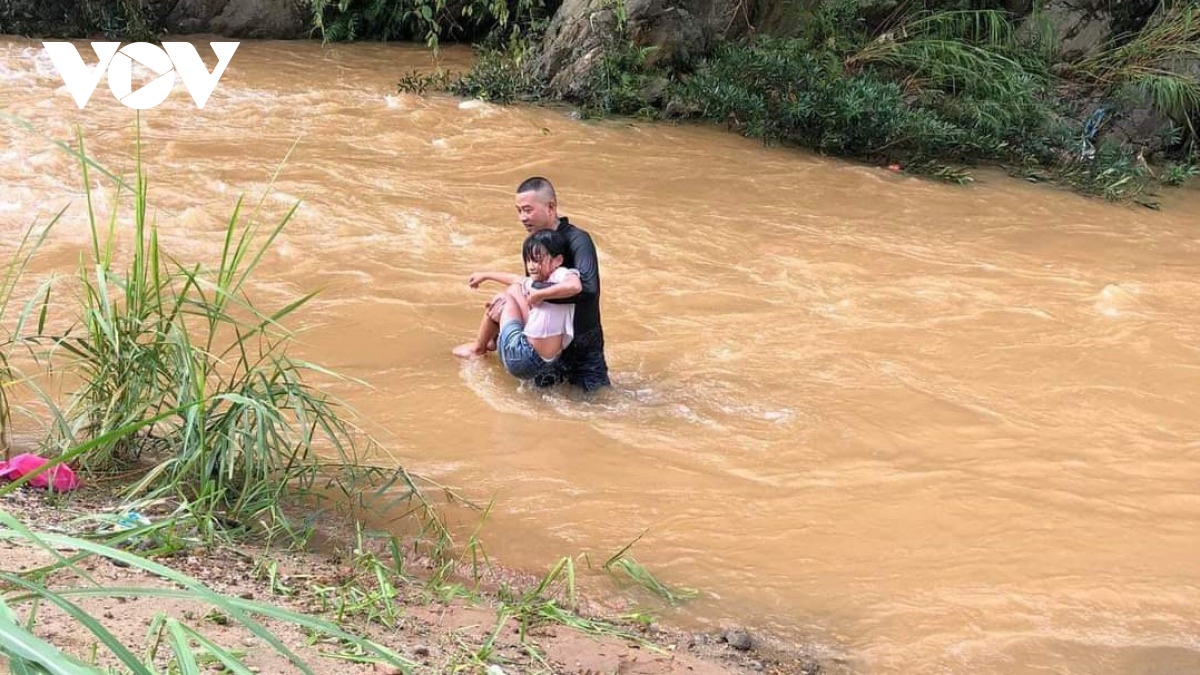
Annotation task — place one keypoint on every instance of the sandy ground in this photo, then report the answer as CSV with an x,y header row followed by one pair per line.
x,y
436,634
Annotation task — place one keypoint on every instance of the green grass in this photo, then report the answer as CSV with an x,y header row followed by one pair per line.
x,y
1147,62
185,384
227,424
622,562
15,268
27,653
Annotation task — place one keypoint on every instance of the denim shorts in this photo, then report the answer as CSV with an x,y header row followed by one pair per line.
x,y
517,355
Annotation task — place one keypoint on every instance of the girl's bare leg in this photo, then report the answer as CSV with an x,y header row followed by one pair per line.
x,y
489,330
515,305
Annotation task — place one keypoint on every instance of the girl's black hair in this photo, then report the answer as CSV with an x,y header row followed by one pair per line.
x,y
544,242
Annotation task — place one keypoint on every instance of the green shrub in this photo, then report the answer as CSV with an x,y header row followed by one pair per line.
x,y
619,83
498,76
774,90
943,86
429,20
131,20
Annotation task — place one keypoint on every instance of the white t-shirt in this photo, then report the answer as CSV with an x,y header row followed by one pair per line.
x,y
549,319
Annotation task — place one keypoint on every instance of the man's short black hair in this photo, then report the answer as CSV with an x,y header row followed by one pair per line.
x,y
540,185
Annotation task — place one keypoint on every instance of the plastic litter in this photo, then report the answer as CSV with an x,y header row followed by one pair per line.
x,y
59,478
130,520
1090,128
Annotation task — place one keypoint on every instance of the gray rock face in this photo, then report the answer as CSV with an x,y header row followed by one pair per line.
x,y
1082,26
257,19
679,30
1140,127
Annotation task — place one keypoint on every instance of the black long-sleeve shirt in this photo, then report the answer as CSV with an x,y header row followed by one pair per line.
x,y
581,255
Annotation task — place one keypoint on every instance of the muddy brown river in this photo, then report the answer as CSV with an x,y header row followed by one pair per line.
x,y
932,429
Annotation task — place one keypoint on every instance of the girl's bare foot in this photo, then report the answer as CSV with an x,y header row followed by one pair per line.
x,y
469,350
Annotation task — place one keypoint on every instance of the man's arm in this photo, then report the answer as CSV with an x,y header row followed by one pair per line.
x,y
569,287
583,253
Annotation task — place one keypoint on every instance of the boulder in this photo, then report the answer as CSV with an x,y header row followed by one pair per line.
x,y
255,19
1082,26
1141,127
679,31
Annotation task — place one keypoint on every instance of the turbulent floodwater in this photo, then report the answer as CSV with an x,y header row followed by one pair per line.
x,y
934,429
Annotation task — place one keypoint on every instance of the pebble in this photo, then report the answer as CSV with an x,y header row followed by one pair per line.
x,y
739,639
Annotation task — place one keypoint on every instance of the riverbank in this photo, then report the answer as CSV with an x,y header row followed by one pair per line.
x,y
1103,99
934,91
440,626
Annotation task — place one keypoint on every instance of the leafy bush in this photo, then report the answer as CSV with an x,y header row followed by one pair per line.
x,y
428,20
132,20
498,76
949,86
620,82
1178,174
774,90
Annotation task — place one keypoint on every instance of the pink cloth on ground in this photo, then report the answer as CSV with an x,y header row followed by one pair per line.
x,y
60,478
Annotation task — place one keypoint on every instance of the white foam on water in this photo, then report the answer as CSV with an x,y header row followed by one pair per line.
x,y
42,159
1116,300
11,75
43,67
482,107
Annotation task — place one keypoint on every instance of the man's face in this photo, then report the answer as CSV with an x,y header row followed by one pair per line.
x,y
535,213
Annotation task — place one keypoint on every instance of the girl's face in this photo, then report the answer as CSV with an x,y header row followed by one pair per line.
x,y
541,265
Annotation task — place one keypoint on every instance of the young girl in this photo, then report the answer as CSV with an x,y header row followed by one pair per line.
x,y
534,333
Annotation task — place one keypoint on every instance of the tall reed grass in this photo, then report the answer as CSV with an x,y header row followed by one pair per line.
x,y
1154,63
184,385
223,420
